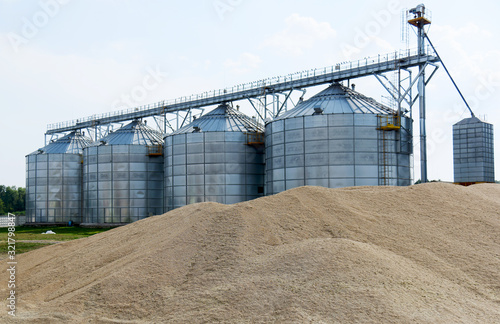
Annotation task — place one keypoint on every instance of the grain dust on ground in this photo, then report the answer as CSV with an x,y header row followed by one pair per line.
x,y
422,254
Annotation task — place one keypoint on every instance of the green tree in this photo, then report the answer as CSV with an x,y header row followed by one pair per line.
x,y
2,208
10,198
21,199
14,199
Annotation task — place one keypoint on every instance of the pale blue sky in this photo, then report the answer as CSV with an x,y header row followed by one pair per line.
x,y
66,59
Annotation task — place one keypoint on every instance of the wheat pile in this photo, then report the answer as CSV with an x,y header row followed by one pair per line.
x,y
421,254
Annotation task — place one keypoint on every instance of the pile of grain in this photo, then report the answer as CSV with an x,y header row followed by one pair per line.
x,y
427,253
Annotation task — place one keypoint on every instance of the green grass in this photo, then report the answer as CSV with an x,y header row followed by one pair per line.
x,y
62,233
21,247
24,233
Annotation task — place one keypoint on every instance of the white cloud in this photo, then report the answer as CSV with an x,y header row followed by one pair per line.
x,y
77,85
466,45
300,33
246,62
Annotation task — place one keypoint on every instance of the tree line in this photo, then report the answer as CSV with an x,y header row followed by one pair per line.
x,y
12,199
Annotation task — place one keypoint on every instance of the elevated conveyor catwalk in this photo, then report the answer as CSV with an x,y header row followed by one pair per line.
x,y
337,73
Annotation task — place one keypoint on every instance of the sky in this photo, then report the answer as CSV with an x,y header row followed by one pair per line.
x,y
66,59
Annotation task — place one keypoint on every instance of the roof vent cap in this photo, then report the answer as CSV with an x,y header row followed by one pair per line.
x,y
318,111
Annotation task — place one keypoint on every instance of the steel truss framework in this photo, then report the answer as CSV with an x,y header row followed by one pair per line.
x,y
269,97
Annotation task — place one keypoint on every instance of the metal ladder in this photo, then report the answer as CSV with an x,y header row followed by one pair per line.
x,y
386,123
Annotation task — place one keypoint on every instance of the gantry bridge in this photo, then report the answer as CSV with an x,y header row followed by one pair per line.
x,y
282,85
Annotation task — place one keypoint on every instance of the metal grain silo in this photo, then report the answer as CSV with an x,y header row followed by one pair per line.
x,y
218,157
473,157
338,138
123,175
54,181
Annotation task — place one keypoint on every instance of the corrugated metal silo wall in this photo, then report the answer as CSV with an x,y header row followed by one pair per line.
x,y
122,184
473,152
336,150
211,166
53,188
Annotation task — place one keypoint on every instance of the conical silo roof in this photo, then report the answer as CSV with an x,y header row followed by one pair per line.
x,y
222,119
470,120
73,143
135,133
338,99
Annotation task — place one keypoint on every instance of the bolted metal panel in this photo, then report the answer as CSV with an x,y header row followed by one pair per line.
x,y
122,182
366,181
473,151
366,171
316,172
290,161
334,140
290,184
212,161
341,171
54,181
294,123
317,182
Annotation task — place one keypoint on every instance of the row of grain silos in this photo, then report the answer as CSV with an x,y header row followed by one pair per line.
x,y
337,138
118,179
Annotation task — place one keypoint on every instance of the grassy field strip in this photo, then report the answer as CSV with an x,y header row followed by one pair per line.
x,y
31,238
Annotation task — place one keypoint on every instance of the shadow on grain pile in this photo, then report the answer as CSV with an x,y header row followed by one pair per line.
x,y
427,253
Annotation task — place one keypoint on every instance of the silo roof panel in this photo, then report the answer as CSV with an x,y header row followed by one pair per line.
x,y
72,143
471,120
337,99
222,119
134,133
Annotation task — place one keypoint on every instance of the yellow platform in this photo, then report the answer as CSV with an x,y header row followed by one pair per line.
x,y
155,150
255,138
389,127
419,21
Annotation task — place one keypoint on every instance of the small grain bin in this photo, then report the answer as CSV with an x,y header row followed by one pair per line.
x,y
54,181
473,156
338,138
123,175
218,157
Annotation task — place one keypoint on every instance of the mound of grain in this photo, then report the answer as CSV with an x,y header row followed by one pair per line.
x,y
427,253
